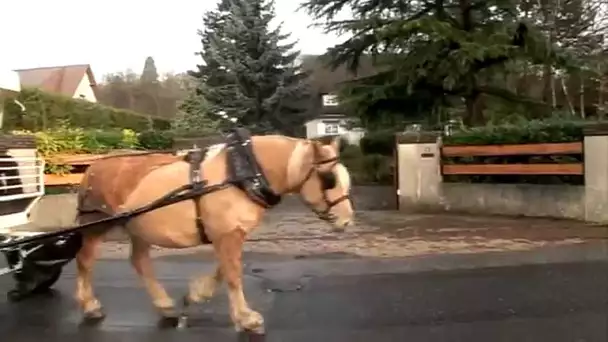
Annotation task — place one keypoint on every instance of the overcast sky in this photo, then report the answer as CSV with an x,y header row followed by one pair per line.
x,y
114,35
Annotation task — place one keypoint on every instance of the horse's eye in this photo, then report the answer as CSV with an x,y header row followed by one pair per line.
x,y
328,180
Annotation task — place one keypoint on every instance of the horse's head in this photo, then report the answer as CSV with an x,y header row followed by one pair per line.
x,y
315,172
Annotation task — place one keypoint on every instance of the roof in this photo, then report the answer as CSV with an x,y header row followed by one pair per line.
x,y
58,79
325,80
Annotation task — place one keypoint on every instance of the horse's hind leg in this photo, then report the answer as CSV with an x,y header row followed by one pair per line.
x,y
229,250
142,263
85,260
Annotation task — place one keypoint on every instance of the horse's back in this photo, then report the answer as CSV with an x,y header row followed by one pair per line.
x,y
108,182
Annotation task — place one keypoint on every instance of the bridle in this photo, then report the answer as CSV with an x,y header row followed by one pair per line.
x,y
328,181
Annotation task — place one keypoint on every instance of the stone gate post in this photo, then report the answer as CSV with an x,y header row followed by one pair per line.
x,y
419,171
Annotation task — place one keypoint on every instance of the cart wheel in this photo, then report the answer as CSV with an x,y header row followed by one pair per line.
x,y
49,281
30,284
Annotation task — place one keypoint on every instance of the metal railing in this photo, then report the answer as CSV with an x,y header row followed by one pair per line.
x,y
23,180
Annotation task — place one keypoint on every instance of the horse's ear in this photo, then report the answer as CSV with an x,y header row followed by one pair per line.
x,y
329,140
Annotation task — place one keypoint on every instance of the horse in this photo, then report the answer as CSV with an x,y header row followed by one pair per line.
x,y
263,168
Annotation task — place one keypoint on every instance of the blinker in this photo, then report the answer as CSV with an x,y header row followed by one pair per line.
x,y
328,180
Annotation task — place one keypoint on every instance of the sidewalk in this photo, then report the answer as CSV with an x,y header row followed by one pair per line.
x,y
391,234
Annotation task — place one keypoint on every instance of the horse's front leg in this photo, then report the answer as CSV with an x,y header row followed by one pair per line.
x,y
202,288
142,263
228,249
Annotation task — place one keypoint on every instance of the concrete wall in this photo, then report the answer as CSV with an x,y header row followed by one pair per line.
x,y
514,199
421,186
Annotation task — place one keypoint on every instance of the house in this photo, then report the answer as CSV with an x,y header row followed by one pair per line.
x,y
328,116
75,81
330,120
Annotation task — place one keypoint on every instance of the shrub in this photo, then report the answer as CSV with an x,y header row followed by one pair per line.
x,y
156,140
367,169
66,140
48,111
378,142
535,131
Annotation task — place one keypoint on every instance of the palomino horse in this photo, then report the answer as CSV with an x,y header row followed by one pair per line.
x,y
279,165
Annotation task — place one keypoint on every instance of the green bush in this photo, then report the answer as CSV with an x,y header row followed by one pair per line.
x,y
535,131
377,169
45,111
378,142
66,140
156,140
367,169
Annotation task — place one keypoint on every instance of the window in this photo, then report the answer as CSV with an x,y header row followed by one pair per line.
x,y
331,128
330,100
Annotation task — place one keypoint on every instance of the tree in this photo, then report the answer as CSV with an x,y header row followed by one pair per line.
x,y
149,75
126,90
442,51
248,70
150,88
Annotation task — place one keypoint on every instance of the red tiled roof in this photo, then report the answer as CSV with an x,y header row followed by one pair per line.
x,y
59,79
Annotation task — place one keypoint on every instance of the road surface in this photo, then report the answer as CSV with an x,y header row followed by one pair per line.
x,y
334,300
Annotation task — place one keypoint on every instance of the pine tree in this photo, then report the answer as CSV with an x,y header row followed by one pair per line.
x,y
150,89
193,116
249,71
149,73
432,52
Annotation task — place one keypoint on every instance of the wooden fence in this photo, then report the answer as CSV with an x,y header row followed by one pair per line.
x,y
554,168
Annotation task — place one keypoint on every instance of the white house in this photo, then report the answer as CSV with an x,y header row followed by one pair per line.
x,y
76,81
331,121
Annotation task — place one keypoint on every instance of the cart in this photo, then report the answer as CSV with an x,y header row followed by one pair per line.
x,y
35,266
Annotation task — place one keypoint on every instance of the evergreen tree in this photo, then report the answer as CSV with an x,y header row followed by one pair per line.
x,y
432,53
248,70
150,89
193,115
149,74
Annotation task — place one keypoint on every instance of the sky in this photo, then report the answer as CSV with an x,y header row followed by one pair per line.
x,y
116,35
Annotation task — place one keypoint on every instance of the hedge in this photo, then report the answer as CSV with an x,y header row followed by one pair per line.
x,y
45,111
378,142
535,131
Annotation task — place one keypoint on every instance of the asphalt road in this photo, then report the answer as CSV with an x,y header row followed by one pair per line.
x,y
307,301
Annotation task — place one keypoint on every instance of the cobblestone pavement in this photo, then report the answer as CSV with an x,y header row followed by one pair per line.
x,y
388,234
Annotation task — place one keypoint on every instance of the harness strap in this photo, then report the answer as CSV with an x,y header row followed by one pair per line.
x,y
195,158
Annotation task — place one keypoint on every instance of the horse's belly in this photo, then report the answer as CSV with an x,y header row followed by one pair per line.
x,y
172,226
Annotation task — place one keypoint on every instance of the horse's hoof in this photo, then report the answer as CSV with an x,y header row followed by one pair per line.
x,y
168,322
169,313
182,322
93,317
16,295
251,322
244,336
